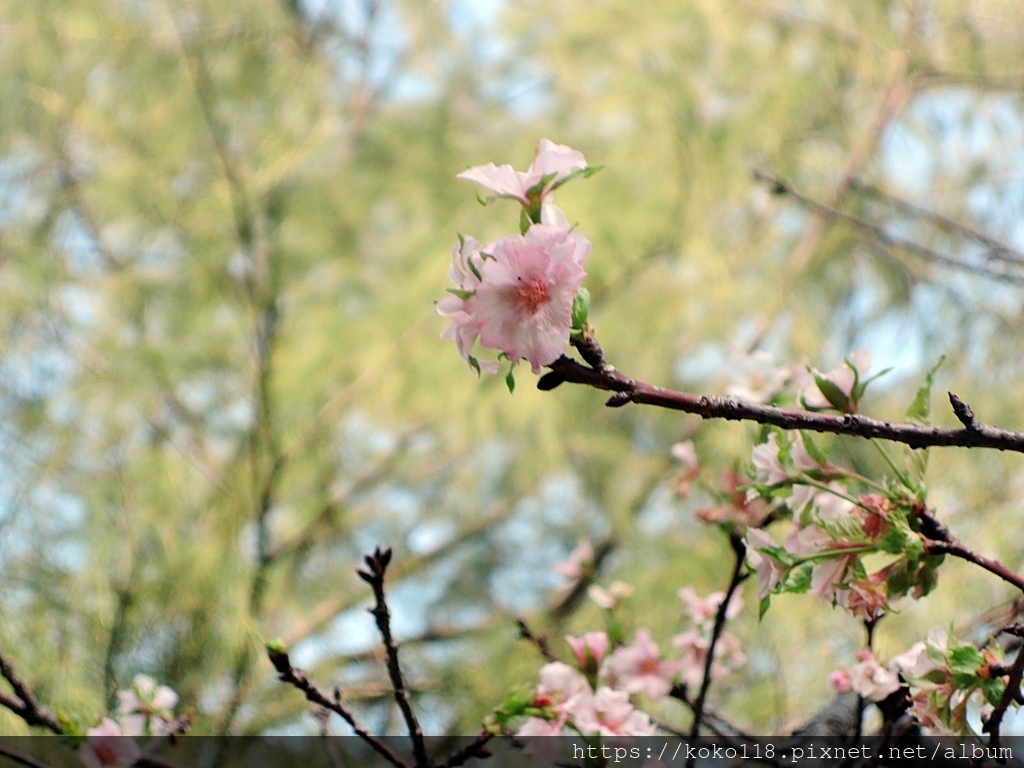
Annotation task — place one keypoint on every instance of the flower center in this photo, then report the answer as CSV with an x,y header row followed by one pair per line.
x,y
532,293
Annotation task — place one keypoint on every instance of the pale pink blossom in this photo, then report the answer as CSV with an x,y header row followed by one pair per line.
x,y
609,598
107,746
610,713
146,708
739,509
580,560
756,377
866,599
843,377
694,646
589,650
686,455
871,680
464,327
927,708
767,465
559,685
840,681
554,162
537,726
638,668
915,663
769,571
702,610
523,304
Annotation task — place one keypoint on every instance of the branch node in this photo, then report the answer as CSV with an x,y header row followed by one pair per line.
x,y
619,399
964,412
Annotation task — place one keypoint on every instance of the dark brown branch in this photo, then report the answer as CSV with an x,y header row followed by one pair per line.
x,y
538,641
739,551
24,703
22,758
377,566
939,540
628,390
475,749
298,679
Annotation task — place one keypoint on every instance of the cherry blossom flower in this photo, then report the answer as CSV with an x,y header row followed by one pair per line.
x,y
844,381
769,571
580,560
610,713
559,685
840,681
609,598
740,510
537,726
464,328
756,377
702,610
638,668
553,165
523,305
871,680
694,646
685,454
589,650
146,708
108,746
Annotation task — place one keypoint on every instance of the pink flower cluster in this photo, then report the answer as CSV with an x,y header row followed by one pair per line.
x,y
595,697
516,295
145,709
938,695
830,532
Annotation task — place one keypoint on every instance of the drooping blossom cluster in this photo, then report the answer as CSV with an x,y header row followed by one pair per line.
x,y
599,693
520,295
144,709
857,551
940,677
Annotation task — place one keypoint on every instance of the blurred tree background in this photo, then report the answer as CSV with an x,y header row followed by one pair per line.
x,y
222,228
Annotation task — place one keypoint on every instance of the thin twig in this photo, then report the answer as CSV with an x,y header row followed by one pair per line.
x,y
377,565
939,540
739,551
1010,695
629,390
780,187
22,757
298,679
538,641
476,748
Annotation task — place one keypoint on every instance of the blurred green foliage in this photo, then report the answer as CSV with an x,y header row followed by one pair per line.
x,y
222,227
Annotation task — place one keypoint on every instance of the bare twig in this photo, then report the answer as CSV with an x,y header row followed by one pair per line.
x,y
377,566
825,211
1010,695
739,551
22,758
629,390
538,641
298,679
939,540
474,749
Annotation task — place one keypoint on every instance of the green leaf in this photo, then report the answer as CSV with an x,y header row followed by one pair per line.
x,y
461,294
836,397
474,364
965,659
813,449
580,308
510,380
766,603
524,221
919,411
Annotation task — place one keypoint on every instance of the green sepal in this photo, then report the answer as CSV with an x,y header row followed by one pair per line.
x,y
510,380
580,308
461,294
475,365
524,221
765,604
